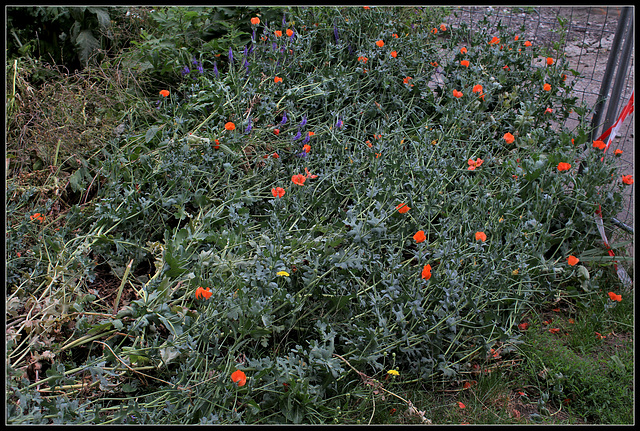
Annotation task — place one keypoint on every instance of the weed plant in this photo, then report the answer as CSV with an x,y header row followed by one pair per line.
x,y
354,199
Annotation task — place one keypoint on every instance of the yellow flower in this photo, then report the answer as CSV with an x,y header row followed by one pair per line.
x,y
282,273
393,372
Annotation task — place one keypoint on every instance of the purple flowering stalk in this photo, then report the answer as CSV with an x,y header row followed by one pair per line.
x,y
284,118
215,69
339,123
230,55
185,71
298,135
249,127
335,33
304,121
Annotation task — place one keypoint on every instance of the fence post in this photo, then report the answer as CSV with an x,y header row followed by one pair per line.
x,y
616,92
625,17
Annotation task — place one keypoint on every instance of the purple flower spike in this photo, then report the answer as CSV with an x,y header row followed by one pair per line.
x,y
215,69
230,55
249,127
339,123
304,121
185,71
335,33
298,135
284,118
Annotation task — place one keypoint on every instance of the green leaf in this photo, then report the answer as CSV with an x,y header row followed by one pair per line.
x,y
86,44
151,133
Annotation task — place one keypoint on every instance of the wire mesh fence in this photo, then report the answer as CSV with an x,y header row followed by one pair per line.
x,y
598,44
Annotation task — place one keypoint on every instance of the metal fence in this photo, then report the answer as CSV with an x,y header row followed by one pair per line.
x,y
598,43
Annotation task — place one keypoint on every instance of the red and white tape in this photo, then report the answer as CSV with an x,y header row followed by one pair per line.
x,y
611,133
622,274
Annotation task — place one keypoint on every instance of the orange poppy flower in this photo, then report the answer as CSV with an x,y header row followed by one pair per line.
x,y
306,148
277,79
217,144
394,54
37,216
508,137
549,61
527,43
298,179
627,179
546,87
494,41
255,20
202,293
599,145
480,236
403,208
461,405
230,126
464,63
276,131
311,133
572,260
239,377
477,88
457,94
443,27
434,30
380,43
363,59
406,80
277,192
164,93
615,297
419,236
289,32
426,272
516,38
474,164
618,152
562,166
554,330
309,174
278,33
463,50
394,35
523,326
